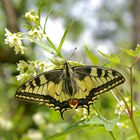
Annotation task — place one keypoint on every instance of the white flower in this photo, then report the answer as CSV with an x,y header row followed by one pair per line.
x,y
5,124
119,110
22,66
32,65
36,33
14,40
32,16
20,76
38,118
30,69
42,66
121,125
26,69
33,134
18,49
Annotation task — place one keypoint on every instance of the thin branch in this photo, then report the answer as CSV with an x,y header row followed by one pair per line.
x,y
126,104
131,89
112,135
126,111
131,84
135,126
11,15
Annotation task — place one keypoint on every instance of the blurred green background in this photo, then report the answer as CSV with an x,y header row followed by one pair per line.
x,y
98,24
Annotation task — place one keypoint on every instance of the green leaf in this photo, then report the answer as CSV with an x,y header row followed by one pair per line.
x,y
109,64
129,52
105,55
39,9
29,27
54,48
17,117
37,22
95,121
91,57
66,130
133,137
46,20
137,50
109,124
112,57
44,46
64,36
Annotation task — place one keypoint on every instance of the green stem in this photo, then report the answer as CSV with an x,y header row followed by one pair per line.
x,y
131,93
131,84
135,126
112,135
131,89
125,109
130,110
126,105
131,116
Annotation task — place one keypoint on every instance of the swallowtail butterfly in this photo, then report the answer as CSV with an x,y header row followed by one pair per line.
x,y
71,86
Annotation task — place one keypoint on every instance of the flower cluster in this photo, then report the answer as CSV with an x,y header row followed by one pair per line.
x,y
33,134
122,125
32,16
119,110
39,119
14,40
5,123
29,69
37,33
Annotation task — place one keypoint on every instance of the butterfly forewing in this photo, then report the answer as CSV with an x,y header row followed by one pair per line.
x,y
45,88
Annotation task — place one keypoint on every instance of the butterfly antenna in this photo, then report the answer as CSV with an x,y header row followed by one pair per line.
x,y
72,53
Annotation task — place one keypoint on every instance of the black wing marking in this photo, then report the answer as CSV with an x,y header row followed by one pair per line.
x,y
97,80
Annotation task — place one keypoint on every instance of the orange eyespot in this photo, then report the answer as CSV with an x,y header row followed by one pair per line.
x,y
73,103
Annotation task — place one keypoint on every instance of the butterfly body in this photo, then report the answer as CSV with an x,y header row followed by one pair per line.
x,y
69,87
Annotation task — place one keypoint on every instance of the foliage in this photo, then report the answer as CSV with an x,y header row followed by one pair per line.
x,y
36,122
